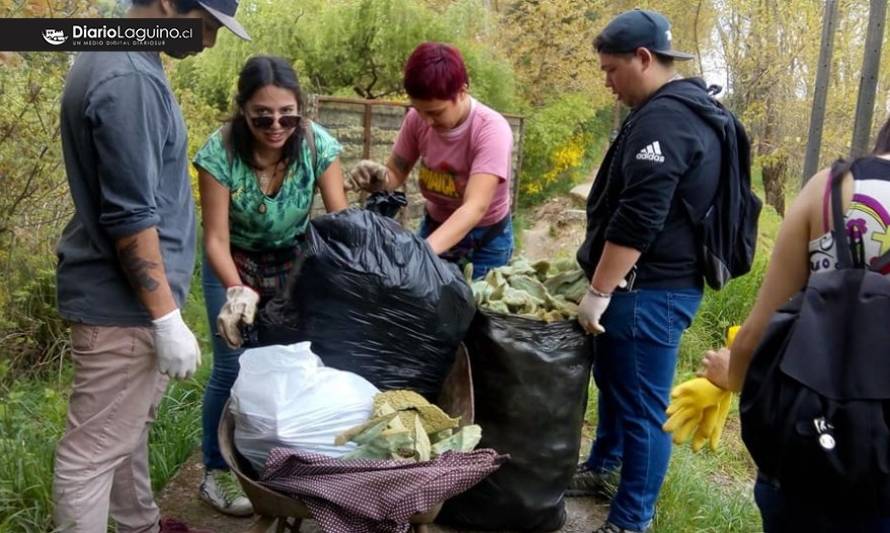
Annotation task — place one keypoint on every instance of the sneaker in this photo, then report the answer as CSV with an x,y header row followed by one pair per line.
x,y
586,482
171,525
221,490
609,527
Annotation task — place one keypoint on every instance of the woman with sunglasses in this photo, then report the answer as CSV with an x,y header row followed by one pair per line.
x,y
465,154
257,175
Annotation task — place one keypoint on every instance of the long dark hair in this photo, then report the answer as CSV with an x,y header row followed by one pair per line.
x,y
258,72
882,146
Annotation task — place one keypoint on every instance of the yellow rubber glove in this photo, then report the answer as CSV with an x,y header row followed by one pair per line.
x,y
699,408
731,332
684,419
690,407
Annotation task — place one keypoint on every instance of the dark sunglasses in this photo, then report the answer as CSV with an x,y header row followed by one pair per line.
x,y
267,122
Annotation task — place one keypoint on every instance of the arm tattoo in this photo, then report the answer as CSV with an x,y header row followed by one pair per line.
x,y
401,165
136,268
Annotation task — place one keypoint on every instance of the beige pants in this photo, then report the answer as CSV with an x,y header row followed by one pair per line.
x,y
101,462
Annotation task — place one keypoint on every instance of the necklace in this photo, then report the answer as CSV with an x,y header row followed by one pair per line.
x,y
265,182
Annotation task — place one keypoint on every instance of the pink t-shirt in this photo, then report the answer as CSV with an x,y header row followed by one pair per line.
x,y
482,144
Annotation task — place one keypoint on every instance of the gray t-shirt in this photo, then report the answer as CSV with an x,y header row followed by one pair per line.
x,y
124,142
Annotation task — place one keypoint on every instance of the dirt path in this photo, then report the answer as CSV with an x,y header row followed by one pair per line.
x,y
180,499
557,232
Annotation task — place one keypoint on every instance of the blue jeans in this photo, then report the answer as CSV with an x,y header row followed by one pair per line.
x,y
495,253
225,371
782,514
634,370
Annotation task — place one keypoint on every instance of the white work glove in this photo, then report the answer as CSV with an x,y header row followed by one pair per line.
x,y
179,355
369,176
591,309
240,308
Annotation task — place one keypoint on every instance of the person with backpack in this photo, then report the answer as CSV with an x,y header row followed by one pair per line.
x,y
809,312
258,175
655,189
465,153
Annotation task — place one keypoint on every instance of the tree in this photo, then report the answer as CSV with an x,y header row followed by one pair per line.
x,y
550,45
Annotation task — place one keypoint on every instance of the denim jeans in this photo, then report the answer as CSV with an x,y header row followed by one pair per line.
x,y
495,253
783,514
634,370
225,371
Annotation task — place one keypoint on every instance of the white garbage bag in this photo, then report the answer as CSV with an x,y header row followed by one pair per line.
x,y
285,396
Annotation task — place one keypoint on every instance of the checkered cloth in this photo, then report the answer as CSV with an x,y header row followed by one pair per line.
x,y
266,272
371,495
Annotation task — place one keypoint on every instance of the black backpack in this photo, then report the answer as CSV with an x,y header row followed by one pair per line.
x,y
727,233
815,407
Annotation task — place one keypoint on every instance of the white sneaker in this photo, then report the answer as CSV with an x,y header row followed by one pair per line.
x,y
221,490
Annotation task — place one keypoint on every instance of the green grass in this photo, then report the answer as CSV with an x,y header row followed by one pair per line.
x,y
32,419
521,223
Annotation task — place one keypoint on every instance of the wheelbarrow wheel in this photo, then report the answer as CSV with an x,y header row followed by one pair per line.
x,y
288,525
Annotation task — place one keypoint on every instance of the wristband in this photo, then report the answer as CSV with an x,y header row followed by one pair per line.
x,y
598,293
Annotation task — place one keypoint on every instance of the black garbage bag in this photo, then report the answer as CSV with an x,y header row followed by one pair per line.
x,y
386,203
530,383
373,299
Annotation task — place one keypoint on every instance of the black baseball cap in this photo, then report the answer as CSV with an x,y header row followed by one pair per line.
x,y
638,28
224,12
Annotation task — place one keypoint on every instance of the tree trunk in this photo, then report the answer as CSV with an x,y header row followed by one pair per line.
x,y
774,184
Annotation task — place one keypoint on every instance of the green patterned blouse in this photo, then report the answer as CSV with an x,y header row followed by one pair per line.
x,y
285,215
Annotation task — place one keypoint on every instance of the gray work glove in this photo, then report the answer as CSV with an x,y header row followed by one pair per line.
x,y
240,308
179,354
369,176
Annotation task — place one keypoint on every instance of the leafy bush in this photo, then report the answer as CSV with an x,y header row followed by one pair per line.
x,y
351,48
35,338
563,140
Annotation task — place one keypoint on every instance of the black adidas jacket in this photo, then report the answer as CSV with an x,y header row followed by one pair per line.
x,y
662,168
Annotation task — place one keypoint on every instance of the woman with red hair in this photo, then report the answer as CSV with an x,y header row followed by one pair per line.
x,y
465,154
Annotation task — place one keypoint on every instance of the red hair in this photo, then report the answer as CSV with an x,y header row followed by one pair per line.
x,y
435,71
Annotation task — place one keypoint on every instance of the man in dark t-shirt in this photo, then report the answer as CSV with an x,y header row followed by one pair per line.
x,y
124,265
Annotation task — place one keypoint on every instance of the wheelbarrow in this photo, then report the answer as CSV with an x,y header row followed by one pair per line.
x,y
287,513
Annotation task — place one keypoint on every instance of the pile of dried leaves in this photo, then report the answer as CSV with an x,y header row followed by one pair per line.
x,y
404,425
541,290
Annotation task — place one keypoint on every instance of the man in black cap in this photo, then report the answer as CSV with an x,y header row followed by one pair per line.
x,y
640,255
125,262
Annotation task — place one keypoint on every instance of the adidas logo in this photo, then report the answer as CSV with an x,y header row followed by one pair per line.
x,y
651,152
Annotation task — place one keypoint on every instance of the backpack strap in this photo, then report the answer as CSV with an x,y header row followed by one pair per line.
x,y
841,241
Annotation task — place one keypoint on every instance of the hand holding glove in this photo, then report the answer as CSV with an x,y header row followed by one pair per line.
x,y
178,352
240,308
370,176
698,407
